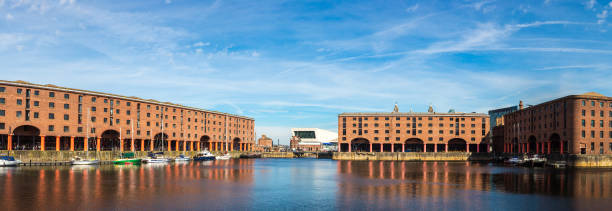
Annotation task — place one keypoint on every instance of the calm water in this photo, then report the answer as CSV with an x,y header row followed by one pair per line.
x,y
300,184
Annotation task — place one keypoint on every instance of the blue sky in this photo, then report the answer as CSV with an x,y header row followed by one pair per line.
x,y
300,63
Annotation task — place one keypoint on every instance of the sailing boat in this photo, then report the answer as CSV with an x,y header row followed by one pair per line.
x,y
127,158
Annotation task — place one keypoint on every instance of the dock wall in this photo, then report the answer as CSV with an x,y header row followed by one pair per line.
x,y
590,161
412,156
49,156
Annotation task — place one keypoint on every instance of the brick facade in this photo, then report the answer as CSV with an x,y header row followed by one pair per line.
x,y
575,124
43,114
428,131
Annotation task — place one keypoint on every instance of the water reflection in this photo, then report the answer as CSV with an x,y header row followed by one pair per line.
x,y
127,187
303,184
459,184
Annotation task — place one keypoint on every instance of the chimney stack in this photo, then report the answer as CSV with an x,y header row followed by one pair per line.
x,y
521,105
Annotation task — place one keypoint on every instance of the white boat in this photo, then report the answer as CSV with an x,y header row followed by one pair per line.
x,y
156,158
182,158
79,161
8,161
223,157
204,156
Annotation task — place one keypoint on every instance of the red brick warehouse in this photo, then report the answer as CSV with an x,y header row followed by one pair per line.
x,y
413,132
48,117
575,124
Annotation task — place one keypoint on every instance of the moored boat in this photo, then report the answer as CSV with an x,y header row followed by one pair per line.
x,y
223,157
80,161
156,158
127,159
9,161
182,158
204,155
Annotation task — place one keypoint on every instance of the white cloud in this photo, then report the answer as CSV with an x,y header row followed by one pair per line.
x,y
9,16
413,8
590,4
63,2
168,1
200,44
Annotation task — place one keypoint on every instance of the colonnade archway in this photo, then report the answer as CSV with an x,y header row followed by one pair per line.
x,y
236,144
457,145
26,137
533,144
414,145
555,143
360,145
109,140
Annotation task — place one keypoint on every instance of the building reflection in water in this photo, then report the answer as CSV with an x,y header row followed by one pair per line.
x,y
441,184
107,187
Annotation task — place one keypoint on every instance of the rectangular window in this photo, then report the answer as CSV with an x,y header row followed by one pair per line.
x,y
19,102
2,89
51,105
2,123
592,134
3,101
18,113
80,129
35,115
583,134
36,92
2,113
66,129
66,117
51,116
18,91
36,103
66,106
66,96
51,128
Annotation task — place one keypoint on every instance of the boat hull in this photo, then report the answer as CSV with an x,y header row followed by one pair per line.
x,y
203,158
7,163
155,160
86,162
127,162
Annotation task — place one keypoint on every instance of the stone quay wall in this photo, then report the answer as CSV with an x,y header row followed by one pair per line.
x,y
277,155
412,156
50,156
590,161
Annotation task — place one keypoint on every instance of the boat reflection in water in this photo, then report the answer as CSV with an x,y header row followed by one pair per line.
x,y
466,185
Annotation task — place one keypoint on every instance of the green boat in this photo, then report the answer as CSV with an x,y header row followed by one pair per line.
x,y
127,159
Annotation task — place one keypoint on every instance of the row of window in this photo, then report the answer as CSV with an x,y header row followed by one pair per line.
x,y
593,134
593,103
117,102
398,139
414,132
417,125
601,123
409,118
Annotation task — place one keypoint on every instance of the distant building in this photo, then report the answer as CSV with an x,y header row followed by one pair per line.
x,y
574,124
497,126
313,139
497,115
413,131
264,143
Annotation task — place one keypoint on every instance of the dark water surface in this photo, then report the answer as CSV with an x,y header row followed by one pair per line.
x,y
301,184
